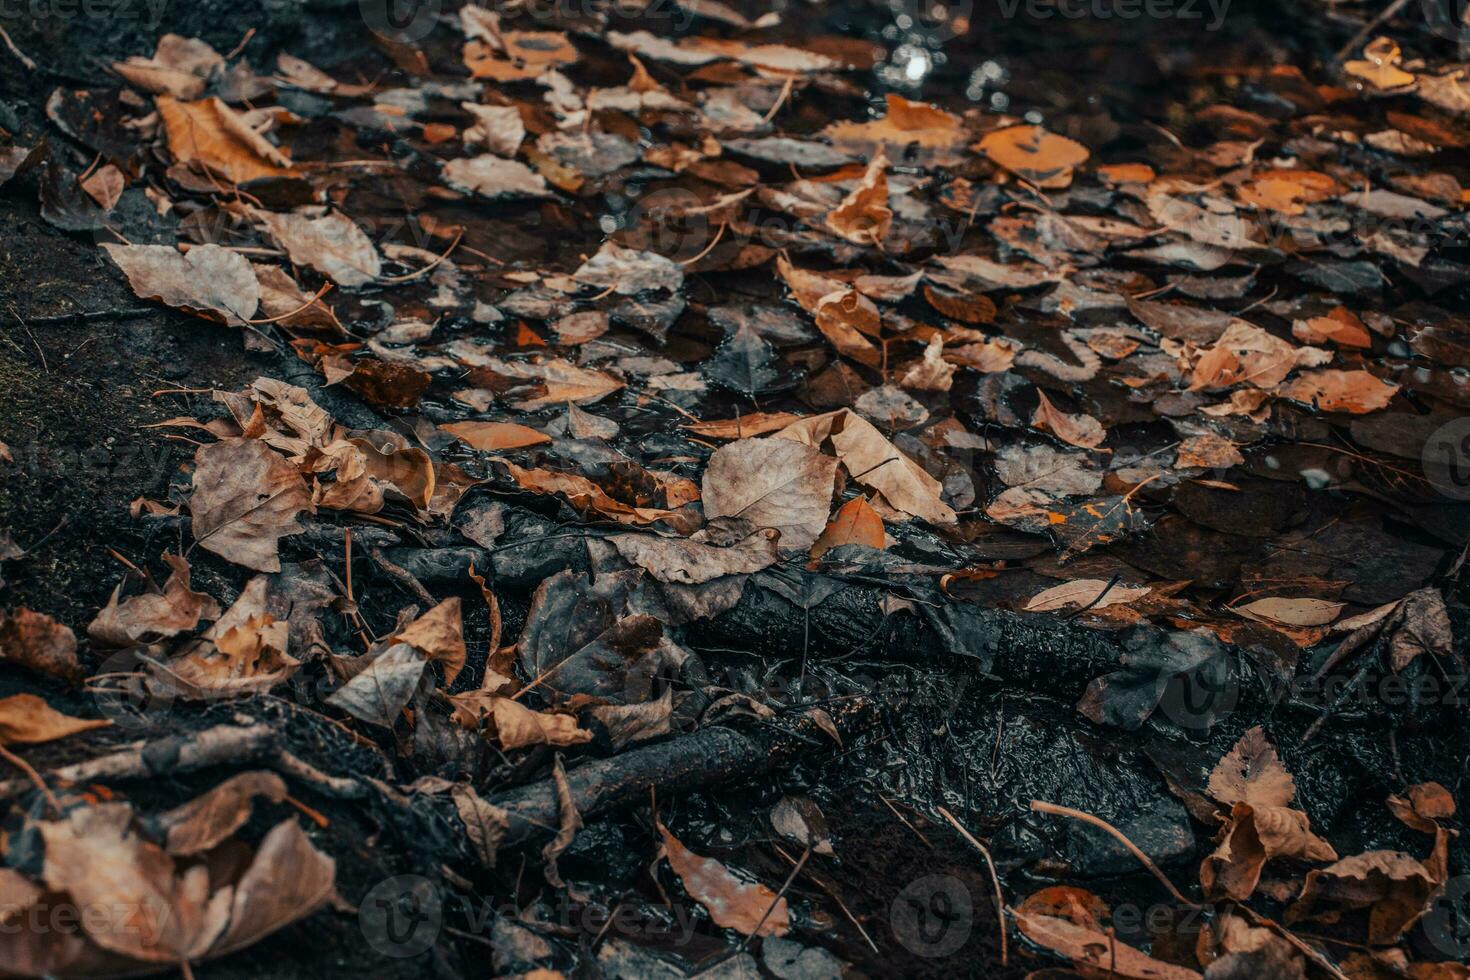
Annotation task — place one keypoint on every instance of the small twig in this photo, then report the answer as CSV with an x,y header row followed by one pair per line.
x,y
16,51
831,893
1000,902
904,820
777,900
304,306
1040,806
1286,934
33,776
404,577
1369,28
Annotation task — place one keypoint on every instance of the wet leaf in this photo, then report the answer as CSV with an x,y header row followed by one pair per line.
x,y
732,902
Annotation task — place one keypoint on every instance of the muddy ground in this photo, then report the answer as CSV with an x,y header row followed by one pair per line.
x,y
81,358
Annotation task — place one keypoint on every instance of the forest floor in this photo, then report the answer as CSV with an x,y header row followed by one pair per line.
x,y
869,489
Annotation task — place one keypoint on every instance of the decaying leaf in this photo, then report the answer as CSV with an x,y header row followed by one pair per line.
x,y
773,483
732,902
246,497
207,280
27,719
37,642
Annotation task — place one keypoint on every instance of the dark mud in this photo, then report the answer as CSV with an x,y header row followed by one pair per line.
x,y
977,712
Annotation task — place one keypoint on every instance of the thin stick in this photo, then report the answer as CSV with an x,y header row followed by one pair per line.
x,y
1369,28
832,894
34,777
409,277
302,308
777,900
1000,902
1286,934
1065,811
16,51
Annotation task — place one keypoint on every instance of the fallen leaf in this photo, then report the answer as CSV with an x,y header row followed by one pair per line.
x,y
732,902
207,281
210,134
1291,612
1094,949
864,217
1085,592
246,497
855,522
1078,430
1030,152
692,562
493,177
495,436
207,820
27,719
439,635
37,642
1355,392
773,483
379,693
155,614
333,245
874,462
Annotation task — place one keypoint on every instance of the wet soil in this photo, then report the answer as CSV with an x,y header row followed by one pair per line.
x,y
80,359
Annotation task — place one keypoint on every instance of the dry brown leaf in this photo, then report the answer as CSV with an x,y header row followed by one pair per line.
x,y
732,902
1355,392
1078,430
246,497
1030,152
583,494
773,483
1341,327
37,642
864,217
743,426
1207,450
1251,772
495,436
492,177
1379,66
207,281
1094,949
911,132
26,719
333,245
180,66
156,614
856,522
1395,887
1290,612
439,635
208,819
208,133
692,561
1085,592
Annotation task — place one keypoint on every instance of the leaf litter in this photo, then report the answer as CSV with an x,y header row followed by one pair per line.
x,y
651,330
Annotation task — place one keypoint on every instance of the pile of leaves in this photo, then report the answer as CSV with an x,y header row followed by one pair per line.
x,y
693,307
